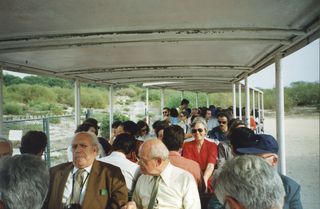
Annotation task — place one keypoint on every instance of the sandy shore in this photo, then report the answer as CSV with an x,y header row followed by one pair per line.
x,y
302,154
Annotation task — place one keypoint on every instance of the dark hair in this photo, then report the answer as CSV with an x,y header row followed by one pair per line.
x,y
203,112
185,113
141,124
85,127
184,101
115,124
239,138
174,112
33,142
125,143
130,127
224,113
233,123
166,108
92,121
160,126
173,137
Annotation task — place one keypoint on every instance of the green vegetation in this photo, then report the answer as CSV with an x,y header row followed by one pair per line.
x,y
40,95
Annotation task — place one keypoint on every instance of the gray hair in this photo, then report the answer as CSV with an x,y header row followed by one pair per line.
x,y
252,182
24,181
94,140
158,150
200,120
4,140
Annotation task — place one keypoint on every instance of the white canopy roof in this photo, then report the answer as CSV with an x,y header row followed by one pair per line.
x,y
193,45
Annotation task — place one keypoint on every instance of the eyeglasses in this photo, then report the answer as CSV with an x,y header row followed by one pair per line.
x,y
200,130
222,122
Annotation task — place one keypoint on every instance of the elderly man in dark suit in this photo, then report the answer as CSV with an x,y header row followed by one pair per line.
x,y
86,182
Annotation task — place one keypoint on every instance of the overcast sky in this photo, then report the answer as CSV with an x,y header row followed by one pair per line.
x,y
303,65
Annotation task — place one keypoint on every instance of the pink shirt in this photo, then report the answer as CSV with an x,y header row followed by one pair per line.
x,y
189,165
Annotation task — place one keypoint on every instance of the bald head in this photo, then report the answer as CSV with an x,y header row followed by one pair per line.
x,y
154,157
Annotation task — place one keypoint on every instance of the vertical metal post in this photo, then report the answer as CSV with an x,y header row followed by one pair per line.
x,y
197,100
207,97
162,101
147,106
110,110
234,100
1,102
280,114
46,130
259,112
247,118
253,105
240,105
77,102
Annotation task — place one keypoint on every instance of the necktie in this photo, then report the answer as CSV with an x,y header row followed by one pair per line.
x,y
77,186
154,192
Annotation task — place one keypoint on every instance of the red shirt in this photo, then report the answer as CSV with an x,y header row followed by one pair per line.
x,y
207,154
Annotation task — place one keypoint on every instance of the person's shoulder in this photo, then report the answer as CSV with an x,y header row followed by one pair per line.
x,y
60,167
289,182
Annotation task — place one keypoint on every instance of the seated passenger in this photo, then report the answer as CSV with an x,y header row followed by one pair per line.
x,y
123,145
5,147
248,182
33,142
173,139
161,184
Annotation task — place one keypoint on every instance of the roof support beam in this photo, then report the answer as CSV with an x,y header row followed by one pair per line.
x,y
1,101
77,102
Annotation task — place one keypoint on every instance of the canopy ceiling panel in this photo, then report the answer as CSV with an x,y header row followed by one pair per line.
x,y
118,41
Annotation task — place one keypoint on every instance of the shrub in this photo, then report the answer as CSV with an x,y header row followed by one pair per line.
x,y
105,124
12,108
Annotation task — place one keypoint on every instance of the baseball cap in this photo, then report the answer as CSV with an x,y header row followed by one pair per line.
x,y
260,144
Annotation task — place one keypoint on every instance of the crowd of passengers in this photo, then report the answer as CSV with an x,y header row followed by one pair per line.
x,y
189,154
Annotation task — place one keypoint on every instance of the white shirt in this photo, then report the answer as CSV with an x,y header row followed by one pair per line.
x,y
68,187
130,170
177,190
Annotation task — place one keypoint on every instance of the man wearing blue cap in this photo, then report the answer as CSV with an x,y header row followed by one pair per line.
x,y
266,146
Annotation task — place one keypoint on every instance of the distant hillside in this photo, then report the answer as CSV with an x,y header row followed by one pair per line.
x,y
39,94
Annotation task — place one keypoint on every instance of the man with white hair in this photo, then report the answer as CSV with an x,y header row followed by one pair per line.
x,y
24,182
161,184
5,147
248,182
85,182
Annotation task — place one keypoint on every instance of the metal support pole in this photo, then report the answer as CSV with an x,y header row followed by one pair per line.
x,y
110,110
259,113
262,109
240,105
234,101
1,102
46,130
253,105
207,97
161,101
77,102
280,115
247,118
197,100
147,106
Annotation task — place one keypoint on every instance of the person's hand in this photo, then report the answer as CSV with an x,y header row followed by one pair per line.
x,y
130,205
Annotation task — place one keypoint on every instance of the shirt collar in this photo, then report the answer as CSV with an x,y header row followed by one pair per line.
x,y
117,154
166,174
88,169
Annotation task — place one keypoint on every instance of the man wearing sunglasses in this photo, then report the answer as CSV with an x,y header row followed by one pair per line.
x,y
219,132
266,147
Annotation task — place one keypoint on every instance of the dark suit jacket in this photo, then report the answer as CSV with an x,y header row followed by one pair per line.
x,y
106,188
292,189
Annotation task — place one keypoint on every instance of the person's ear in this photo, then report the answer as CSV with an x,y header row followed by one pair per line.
x,y
159,161
274,160
233,203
